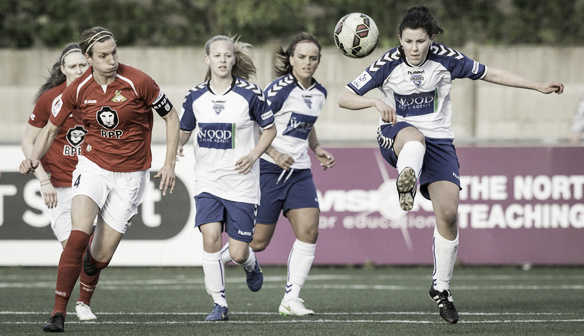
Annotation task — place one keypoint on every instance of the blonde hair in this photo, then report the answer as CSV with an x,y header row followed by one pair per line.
x,y
244,67
92,35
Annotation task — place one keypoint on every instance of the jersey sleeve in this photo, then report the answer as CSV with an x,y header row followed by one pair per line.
x,y
41,111
260,111
459,65
188,122
63,107
374,76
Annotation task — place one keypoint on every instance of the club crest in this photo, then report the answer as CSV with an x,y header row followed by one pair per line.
x,y
118,98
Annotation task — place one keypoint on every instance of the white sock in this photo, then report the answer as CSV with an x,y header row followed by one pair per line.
x,y
299,264
444,251
225,256
250,262
214,277
411,155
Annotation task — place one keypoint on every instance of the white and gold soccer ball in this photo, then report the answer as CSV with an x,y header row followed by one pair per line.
x,y
356,35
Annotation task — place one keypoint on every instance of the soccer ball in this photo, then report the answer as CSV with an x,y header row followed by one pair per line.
x,y
356,35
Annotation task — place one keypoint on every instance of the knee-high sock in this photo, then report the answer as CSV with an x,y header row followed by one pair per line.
x,y
411,155
225,256
69,268
87,285
299,264
214,277
444,251
250,262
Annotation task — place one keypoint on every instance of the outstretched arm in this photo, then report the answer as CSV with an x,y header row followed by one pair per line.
x,y
507,78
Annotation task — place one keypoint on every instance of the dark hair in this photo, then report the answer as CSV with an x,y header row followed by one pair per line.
x,y
56,76
243,67
282,65
420,17
92,35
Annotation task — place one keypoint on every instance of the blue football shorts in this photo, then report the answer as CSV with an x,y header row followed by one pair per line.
x,y
440,161
284,190
238,218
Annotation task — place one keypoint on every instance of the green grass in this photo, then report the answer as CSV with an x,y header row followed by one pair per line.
x,y
348,301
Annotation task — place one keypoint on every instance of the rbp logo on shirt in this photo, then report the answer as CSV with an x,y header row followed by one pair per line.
x,y
361,80
216,135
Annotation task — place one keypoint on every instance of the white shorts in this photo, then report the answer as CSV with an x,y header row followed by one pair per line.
x,y
60,216
117,195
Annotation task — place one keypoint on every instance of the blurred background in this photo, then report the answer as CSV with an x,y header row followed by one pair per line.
x,y
542,40
508,139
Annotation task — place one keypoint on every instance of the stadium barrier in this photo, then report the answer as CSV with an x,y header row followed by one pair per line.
x,y
518,205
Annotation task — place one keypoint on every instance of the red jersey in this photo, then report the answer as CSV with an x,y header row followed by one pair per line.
x,y
118,117
61,158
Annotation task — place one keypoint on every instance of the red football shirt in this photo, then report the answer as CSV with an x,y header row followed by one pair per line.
x,y
118,118
61,158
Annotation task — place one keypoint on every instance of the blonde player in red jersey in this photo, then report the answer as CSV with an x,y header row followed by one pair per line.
x,y
115,103
60,160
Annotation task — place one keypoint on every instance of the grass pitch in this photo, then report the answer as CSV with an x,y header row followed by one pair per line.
x,y
348,301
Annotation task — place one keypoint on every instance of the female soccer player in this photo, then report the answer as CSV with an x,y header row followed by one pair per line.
x,y
226,113
60,160
415,134
287,186
115,103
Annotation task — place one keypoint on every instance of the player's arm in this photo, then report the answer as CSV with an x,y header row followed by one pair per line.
x,y
41,145
325,158
353,101
166,173
183,138
244,164
47,190
283,160
507,78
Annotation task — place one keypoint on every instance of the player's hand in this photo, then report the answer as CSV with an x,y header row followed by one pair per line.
x,y
167,179
284,161
28,166
49,195
179,152
388,114
552,87
325,158
244,164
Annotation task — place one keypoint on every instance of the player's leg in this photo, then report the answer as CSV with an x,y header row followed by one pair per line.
x,y
213,269
403,146
445,199
261,239
209,219
239,225
104,243
69,268
304,222
262,236
410,148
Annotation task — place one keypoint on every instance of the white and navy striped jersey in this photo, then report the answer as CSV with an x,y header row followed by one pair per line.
x,y
420,94
295,111
227,128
